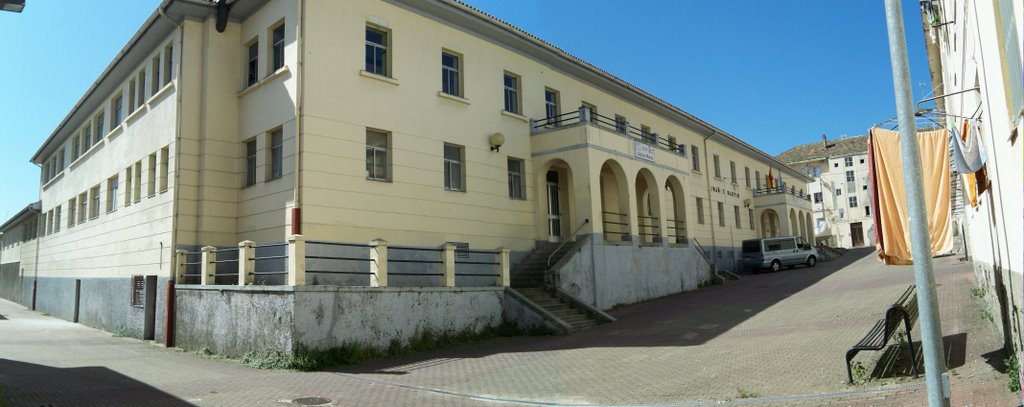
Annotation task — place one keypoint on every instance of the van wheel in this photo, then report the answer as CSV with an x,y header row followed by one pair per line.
x,y
811,261
776,265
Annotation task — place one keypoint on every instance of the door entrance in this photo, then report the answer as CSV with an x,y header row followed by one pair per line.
x,y
857,234
554,208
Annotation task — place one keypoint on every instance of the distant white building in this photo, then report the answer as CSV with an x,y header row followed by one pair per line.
x,y
840,193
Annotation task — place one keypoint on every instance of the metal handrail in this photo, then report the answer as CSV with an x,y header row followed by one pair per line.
x,y
585,222
700,249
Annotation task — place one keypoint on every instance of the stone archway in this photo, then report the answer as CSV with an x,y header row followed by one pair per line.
x,y
614,202
793,231
769,223
648,211
676,213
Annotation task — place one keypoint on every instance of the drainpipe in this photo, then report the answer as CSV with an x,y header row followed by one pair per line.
x,y
707,178
169,312
297,197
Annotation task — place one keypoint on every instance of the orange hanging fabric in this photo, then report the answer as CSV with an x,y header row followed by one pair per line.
x,y
894,246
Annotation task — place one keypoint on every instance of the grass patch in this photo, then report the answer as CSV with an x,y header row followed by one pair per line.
x,y
121,332
1013,373
860,373
744,393
978,292
355,353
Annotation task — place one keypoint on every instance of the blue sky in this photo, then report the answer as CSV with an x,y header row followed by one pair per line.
x,y
774,73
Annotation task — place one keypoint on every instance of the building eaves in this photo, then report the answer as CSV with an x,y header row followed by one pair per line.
x,y
669,110
21,216
157,14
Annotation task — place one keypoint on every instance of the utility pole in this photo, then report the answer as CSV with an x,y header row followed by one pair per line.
x,y
936,378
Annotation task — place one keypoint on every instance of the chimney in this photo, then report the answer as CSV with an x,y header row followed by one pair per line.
x,y
824,141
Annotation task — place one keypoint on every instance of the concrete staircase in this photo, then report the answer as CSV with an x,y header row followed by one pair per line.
x,y
562,310
528,279
529,273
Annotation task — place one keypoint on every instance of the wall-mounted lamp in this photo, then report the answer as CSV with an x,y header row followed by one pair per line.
x,y
496,140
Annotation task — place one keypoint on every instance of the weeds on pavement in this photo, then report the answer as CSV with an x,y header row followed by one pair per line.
x,y
745,394
1013,373
978,292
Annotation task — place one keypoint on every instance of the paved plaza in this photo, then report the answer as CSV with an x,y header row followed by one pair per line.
x,y
767,339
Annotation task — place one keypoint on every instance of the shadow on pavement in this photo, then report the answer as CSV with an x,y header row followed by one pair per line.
x,y
686,319
28,384
996,359
896,361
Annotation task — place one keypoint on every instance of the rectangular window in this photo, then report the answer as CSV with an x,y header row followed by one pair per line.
x,y
56,218
377,51
277,48
864,187
867,211
253,66
168,64
842,213
138,291
94,202
746,175
757,179
377,163
72,212
736,212
721,214
511,93
700,211
250,163
131,96
164,156
451,82
453,167
849,161
85,141
732,171
849,176
695,158
817,197
672,145
112,193
100,133
137,190
816,171
141,93
551,105
151,184
49,222
128,181
853,201
620,124
117,114
83,207
515,179
647,136
154,74
839,191
276,155
718,167
750,215
60,160
592,108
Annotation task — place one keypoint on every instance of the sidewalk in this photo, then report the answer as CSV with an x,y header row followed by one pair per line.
x,y
768,339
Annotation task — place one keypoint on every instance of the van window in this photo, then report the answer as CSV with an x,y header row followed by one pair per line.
x,y
751,246
788,244
774,244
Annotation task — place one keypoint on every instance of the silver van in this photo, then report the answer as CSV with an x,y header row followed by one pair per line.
x,y
774,252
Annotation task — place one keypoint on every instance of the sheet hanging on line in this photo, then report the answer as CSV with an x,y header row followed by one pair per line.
x,y
968,152
892,213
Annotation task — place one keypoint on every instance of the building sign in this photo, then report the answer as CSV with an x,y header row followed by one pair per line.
x,y
644,151
733,194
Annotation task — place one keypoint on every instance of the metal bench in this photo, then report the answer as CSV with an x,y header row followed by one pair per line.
x,y
903,310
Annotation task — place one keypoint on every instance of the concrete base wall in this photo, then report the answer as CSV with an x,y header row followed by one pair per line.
x,y
232,320
103,303
605,274
1003,295
10,282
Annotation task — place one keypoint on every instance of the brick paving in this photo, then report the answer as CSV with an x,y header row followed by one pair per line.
x,y
773,339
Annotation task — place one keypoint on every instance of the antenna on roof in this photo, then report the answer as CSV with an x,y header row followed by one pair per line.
x,y
222,15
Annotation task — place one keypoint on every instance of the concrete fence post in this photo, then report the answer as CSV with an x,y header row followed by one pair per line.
x,y
208,268
448,265
246,262
180,257
379,263
504,280
296,260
